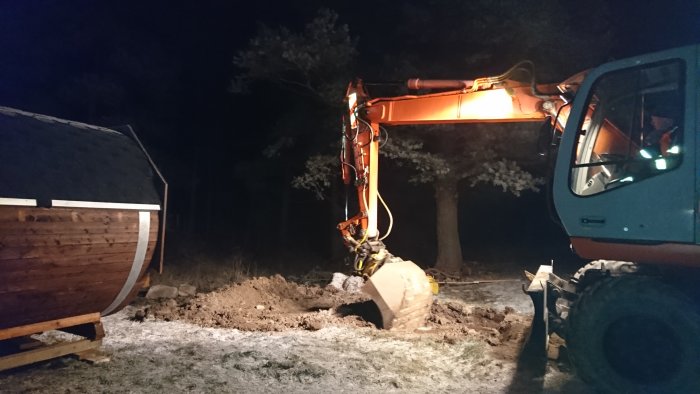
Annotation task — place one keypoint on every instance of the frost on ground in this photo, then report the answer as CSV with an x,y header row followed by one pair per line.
x,y
268,334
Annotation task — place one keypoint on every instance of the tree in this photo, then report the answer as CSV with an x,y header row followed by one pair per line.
x,y
471,35
302,76
314,63
444,163
477,37
451,160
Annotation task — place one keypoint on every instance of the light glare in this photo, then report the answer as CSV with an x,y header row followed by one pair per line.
x,y
352,102
488,104
660,164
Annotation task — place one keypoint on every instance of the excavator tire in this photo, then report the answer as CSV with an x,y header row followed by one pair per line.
x,y
593,271
403,294
635,334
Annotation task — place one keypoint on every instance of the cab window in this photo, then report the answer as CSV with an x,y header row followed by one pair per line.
x,y
632,130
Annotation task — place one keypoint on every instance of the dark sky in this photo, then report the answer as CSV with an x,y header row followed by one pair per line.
x,y
45,41
165,66
655,25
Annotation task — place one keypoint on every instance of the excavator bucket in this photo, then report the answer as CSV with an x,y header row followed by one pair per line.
x,y
403,293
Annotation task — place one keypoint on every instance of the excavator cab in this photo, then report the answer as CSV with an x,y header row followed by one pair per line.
x,y
621,187
619,194
625,190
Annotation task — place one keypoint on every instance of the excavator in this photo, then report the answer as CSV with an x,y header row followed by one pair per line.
x,y
627,200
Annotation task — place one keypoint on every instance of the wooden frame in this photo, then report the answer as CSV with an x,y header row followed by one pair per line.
x,y
24,350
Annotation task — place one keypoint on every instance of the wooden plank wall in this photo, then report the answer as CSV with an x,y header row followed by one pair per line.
x,y
60,262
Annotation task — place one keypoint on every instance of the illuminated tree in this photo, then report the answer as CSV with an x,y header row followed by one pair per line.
x,y
447,38
313,63
301,76
475,39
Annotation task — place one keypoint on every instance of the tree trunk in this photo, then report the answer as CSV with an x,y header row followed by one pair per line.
x,y
449,249
283,228
194,182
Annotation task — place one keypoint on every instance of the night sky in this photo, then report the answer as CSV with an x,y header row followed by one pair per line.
x,y
165,67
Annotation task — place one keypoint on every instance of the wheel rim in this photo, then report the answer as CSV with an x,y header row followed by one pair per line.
x,y
643,349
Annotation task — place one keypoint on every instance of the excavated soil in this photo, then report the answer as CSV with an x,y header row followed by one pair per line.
x,y
275,304
272,335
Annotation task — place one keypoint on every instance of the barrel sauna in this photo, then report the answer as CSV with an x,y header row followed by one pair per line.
x,y
79,219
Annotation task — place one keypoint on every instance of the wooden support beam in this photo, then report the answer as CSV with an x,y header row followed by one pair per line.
x,y
30,329
91,331
47,352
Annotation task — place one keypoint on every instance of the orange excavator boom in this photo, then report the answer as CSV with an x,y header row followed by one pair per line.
x,y
491,99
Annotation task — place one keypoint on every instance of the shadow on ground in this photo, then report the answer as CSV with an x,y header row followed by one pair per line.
x,y
366,310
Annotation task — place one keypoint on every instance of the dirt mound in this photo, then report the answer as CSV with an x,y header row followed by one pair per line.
x,y
259,304
505,330
466,346
275,304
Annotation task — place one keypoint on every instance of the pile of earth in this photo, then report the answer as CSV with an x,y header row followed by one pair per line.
x,y
276,304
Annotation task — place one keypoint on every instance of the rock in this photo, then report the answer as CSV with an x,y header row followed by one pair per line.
x,y
353,284
161,291
338,280
311,324
259,307
139,315
449,339
456,307
342,282
186,290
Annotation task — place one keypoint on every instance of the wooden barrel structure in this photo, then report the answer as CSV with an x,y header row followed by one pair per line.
x,y
79,220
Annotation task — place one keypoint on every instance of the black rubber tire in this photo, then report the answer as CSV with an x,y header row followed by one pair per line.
x,y
635,334
594,270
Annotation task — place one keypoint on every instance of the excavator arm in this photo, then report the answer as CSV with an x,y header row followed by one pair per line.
x,y
400,288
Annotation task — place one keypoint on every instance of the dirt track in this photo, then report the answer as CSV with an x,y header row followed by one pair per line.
x,y
271,335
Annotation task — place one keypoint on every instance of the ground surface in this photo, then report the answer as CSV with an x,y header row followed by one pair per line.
x,y
270,334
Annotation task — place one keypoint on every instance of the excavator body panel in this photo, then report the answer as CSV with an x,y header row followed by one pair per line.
x,y
615,191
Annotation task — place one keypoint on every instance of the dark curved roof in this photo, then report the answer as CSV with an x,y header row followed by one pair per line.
x,y
46,158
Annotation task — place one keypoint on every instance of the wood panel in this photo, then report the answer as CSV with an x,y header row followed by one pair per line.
x,y
30,218
55,286
30,251
10,240
16,227
49,325
41,278
44,297
47,352
57,262
33,306
35,214
62,228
